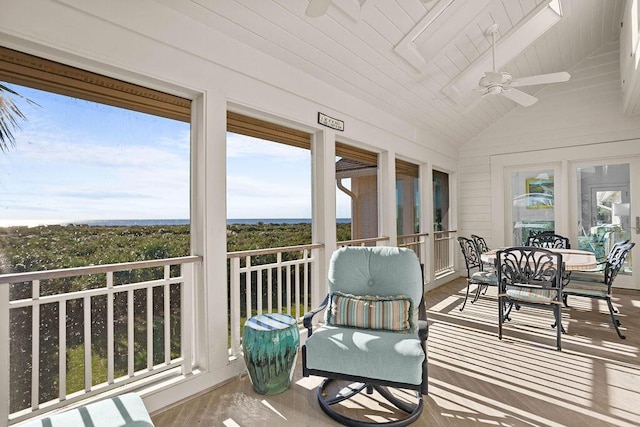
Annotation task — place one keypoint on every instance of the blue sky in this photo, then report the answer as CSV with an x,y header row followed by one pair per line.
x,y
79,160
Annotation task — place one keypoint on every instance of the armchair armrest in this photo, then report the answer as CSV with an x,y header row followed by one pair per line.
x,y
423,330
307,320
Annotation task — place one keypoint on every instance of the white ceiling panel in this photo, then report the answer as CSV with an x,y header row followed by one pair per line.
x,y
367,50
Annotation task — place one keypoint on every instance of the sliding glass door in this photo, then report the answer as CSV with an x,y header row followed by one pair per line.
x,y
604,211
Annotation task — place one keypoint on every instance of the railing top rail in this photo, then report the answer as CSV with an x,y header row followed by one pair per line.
x,y
404,236
267,251
445,231
359,241
94,269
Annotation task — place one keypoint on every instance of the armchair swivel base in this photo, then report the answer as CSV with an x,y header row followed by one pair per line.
x,y
334,391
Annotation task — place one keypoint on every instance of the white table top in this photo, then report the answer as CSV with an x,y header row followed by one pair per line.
x,y
573,259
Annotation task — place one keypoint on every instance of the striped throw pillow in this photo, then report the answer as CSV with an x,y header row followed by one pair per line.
x,y
370,312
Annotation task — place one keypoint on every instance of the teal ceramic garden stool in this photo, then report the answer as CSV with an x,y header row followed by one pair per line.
x,y
270,345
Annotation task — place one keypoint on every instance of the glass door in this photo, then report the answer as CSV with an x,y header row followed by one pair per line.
x,y
604,211
533,204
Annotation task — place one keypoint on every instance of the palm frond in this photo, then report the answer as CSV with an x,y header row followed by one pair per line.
x,y
10,116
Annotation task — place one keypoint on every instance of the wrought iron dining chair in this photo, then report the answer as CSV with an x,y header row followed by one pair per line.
x,y
530,276
476,273
374,336
481,243
548,239
601,288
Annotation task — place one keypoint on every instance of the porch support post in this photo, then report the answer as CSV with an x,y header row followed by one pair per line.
x,y
426,219
387,197
323,150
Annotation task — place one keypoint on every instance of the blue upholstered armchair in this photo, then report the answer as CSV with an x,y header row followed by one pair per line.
x,y
374,332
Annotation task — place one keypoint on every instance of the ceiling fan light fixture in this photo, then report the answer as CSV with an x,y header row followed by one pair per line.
x,y
547,14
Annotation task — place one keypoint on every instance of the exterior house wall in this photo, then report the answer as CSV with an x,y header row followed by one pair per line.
x,y
577,120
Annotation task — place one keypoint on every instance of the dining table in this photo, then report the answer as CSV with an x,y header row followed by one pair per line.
x,y
573,259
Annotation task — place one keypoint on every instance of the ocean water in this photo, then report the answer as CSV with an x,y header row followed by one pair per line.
x,y
131,222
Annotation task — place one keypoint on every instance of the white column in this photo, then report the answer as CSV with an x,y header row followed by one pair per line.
x,y
323,154
387,197
426,217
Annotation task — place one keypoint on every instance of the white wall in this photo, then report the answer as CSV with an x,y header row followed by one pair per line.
x,y
577,120
149,43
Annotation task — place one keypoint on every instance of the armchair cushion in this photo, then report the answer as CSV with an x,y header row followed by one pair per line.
x,y
371,312
368,353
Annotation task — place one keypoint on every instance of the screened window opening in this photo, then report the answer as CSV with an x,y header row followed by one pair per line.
x,y
357,189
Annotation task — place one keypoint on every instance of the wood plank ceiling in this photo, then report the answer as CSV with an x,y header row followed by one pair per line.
x,y
359,46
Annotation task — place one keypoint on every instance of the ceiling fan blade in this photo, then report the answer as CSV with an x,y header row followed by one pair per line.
x,y
520,97
541,79
317,8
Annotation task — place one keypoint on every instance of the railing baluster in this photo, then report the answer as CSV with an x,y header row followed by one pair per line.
x,y
280,287
110,357
247,289
259,291
130,333
150,328
62,350
186,321
88,375
288,281
307,263
297,291
270,290
35,345
167,315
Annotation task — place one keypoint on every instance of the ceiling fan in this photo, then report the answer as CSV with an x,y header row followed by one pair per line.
x,y
502,83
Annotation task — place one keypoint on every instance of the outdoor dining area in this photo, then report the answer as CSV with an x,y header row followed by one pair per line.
x,y
544,273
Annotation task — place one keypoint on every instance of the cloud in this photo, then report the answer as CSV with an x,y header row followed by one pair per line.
x,y
239,146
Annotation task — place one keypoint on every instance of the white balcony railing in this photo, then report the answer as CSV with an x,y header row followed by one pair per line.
x,y
369,241
81,331
443,248
269,280
416,242
77,332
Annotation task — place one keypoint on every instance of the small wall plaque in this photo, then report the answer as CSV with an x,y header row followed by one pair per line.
x,y
330,122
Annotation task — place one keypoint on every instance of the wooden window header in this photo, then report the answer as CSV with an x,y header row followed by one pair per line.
x,y
244,125
354,153
28,70
407,169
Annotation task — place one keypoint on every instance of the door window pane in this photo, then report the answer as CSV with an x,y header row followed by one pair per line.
x,y
440,201
533,204
604,209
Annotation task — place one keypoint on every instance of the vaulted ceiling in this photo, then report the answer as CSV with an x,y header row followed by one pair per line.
x,y
420,60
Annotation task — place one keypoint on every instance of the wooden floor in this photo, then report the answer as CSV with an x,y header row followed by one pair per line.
x,y
474,378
